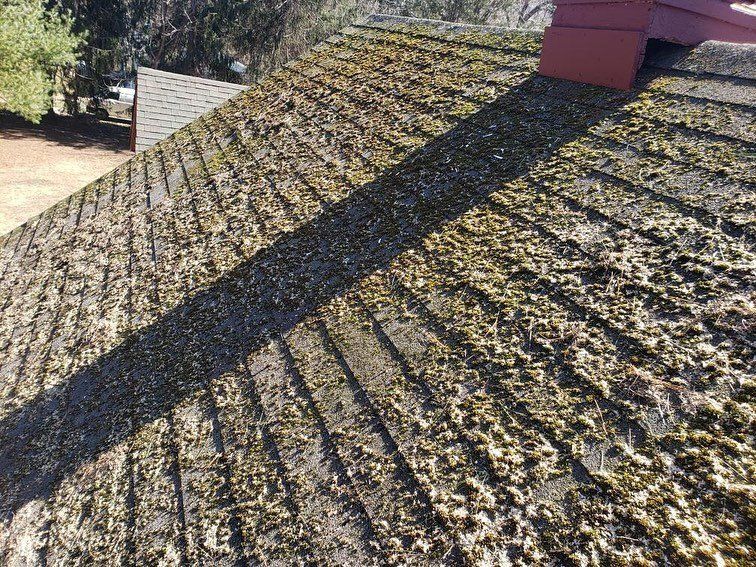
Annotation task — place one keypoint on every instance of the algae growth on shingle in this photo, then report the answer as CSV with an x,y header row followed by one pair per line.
x,y
405,302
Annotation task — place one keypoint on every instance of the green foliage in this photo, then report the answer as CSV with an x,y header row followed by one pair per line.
x,y
267,33
33,42
203,37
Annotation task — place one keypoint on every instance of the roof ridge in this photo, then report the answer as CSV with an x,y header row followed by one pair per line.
x,y
719,58
442,24
144,69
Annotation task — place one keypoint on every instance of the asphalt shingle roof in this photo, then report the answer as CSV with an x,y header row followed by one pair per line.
x,y
405,301
168,101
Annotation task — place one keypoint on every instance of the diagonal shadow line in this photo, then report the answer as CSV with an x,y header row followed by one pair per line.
x,y
212,331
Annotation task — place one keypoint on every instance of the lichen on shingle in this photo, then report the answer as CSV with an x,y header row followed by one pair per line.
x,y
403,302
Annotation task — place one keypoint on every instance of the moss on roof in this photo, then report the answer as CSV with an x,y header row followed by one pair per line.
x,y
403,302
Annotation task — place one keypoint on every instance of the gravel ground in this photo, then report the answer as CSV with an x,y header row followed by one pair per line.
x,y
42,164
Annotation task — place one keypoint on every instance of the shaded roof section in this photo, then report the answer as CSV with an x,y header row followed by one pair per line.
x,y
168,101
405,301
733,60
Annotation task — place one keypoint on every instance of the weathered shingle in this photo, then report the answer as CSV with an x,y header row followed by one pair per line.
x,y
404,302
711,57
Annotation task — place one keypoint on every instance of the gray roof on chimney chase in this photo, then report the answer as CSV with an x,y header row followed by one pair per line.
x,y
403,302
168,101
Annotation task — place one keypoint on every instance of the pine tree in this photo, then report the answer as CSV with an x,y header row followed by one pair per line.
x,y
33,42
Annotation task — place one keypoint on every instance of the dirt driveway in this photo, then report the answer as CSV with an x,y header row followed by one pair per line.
x,y
41,165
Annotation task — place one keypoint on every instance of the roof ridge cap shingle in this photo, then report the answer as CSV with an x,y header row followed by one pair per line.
x,y
720,58
477,35
444,24
146,70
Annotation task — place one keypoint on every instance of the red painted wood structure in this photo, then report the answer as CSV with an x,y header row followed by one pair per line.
x,y
603,42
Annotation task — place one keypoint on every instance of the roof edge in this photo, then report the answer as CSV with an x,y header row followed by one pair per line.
x,y
443,25
200,80
731,60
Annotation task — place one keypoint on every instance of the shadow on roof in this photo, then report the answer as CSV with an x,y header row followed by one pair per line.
x,y
216,329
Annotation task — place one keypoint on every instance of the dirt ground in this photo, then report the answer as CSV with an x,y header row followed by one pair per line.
x,y
42,164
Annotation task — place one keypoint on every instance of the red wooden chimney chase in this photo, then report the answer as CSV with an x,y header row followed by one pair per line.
x,y
603,42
